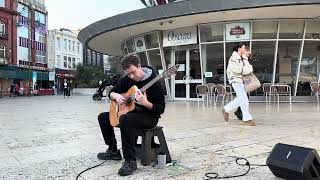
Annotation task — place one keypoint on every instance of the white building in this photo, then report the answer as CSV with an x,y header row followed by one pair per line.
x,y
64,53
64,49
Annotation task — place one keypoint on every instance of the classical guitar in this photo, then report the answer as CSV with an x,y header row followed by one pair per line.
x,y
116,109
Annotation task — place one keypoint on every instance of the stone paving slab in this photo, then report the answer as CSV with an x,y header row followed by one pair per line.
x,y
49,137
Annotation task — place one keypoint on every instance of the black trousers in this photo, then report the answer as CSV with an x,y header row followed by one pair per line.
x,y
65,92
129,123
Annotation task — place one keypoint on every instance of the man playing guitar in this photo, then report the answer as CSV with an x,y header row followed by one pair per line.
x,y
145,115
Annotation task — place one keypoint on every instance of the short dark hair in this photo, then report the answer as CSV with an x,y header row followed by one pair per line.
x,y
130,59
239,45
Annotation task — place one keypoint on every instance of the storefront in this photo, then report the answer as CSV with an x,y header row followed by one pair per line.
x,y
283,36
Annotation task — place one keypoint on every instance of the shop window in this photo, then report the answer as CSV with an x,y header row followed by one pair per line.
x,y
291,29
2,28
143,58
287,62
2,3
264,29
309,68
2,51
313,29
152,41
213,63
211,32
130,46
262,60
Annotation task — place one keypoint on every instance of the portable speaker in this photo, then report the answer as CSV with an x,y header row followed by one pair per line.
x,y
294,162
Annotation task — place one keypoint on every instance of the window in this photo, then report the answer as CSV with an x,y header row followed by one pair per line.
x,y
212,32
69,62
2,28
2,51
73,45
264,29
2,3
65,61
78,47
213,62
313,29
73,62
310,67
69,43
291,29
65,44
152,41
58,61
58,43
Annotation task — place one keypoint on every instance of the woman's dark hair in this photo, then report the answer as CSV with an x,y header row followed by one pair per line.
x,y
130,59
239,45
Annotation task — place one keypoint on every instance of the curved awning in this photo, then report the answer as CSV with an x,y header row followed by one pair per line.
x,y
105,36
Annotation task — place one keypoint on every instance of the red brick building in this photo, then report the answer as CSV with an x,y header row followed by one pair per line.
x,y
8,40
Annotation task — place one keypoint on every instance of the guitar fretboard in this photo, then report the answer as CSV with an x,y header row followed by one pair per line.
x,y
154,80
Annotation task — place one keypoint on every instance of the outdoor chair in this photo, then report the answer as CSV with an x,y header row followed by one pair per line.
x,y
203,91
221,91
315,90
212,94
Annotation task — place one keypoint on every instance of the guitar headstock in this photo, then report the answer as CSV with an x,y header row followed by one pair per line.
x,y
171,70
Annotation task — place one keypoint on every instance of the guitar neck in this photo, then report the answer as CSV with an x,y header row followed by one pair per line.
x,y
149,84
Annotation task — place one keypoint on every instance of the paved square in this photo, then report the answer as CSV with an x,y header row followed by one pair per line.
x,y
50,137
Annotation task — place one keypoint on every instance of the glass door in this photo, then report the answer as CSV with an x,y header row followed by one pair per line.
x,y
188,75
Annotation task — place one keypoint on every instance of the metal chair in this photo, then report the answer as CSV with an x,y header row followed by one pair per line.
x,y
315,89
221,91
212,94
203,91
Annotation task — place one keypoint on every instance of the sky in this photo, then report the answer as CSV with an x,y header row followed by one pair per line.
x,y
77,14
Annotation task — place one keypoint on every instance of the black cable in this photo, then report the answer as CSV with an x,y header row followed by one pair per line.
x,y
89,169
213,175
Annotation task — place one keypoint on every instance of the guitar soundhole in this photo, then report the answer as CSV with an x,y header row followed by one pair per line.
x,y
129,100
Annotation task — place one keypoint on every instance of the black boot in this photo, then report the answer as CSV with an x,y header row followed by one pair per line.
x,y
128,167
238,113
110,155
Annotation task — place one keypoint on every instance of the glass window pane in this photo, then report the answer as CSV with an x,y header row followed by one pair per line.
x,y
291,29
151,40
287,62
130,46
262,60
155,62
143,58
313,29
264,29
310,67
212,32
212,58
2,3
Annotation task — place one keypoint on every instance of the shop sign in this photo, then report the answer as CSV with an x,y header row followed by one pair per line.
x,y
140,43
237,31
183,36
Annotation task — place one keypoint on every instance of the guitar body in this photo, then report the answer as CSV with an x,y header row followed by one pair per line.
x,y
116,110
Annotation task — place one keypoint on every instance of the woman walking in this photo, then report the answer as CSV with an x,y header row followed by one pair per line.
x,y
238,66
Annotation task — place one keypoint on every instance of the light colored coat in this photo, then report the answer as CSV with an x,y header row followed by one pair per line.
x,y
238,67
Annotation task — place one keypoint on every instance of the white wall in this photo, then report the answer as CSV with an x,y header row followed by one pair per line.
x,y
57,51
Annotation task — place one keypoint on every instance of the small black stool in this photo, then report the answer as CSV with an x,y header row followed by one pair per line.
x,y
147,151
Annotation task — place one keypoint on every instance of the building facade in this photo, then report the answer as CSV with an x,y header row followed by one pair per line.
x,y
283,36
64,54
8,41
92,58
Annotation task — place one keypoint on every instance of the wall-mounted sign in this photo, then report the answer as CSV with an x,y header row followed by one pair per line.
x,y
183,36
237,31
140,43
208,74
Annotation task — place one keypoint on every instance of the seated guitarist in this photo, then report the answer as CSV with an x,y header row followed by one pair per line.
x,y
148,109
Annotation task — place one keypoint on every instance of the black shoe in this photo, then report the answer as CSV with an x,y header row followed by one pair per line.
x,y
128,167
109,155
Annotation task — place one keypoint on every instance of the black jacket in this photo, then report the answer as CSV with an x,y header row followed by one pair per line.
x,y
155,93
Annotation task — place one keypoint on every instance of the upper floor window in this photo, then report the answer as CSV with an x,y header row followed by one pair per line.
x,y
2,51
58,42
73,45
2,28
69,45
78,47
2,3
65,44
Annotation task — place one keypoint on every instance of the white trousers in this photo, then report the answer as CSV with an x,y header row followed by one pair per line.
x,y
241,100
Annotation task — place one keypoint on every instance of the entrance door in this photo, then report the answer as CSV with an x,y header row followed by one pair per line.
x,y
188,75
